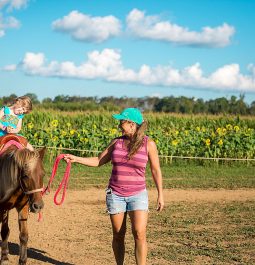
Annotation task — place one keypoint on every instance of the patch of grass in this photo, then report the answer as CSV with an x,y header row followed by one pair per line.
x,y
209,176
203,233
180,175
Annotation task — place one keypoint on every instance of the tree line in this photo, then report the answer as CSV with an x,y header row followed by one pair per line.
x,y
185,105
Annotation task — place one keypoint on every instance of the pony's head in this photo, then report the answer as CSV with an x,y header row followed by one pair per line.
x,y
31,175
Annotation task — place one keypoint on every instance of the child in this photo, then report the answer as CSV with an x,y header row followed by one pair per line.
x,y
11,116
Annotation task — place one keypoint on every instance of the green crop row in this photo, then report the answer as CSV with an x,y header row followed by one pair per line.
x,y
201,136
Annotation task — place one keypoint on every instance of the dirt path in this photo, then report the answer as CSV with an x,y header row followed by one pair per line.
x,y
79,232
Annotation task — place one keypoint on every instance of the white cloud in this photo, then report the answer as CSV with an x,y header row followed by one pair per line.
x,y
151,27
10,68
251,68
13,4
86,28
107,65
98,65
8,22
33,61
3,3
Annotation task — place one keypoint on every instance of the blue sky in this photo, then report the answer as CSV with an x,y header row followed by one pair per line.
x,y
193,48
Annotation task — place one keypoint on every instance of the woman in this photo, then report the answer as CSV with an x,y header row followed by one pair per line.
x,y
126,192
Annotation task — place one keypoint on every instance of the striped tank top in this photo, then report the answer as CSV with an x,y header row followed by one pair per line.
x,y
128,176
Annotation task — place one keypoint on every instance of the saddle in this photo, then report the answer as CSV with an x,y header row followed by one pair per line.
x,y
18,140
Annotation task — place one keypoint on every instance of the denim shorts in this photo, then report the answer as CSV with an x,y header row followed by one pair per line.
x,y
118,204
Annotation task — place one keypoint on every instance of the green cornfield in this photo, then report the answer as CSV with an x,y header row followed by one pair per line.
x,y
193,136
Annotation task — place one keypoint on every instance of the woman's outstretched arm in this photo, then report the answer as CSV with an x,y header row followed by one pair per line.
x,y
96,161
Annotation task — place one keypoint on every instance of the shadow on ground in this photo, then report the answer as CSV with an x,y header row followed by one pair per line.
x,y
36,254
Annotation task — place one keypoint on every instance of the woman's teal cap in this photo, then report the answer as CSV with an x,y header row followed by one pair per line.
x,y
130,114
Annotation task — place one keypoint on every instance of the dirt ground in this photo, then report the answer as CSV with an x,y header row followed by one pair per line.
x,y
79,232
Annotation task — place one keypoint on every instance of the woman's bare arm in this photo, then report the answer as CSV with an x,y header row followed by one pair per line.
x,y
156,172
100,160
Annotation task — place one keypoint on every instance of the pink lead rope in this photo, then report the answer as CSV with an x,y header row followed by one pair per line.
x,y
63,184
64,181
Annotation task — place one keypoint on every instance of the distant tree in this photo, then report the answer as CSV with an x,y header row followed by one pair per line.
x,y
185,105
33,98
218,105
167,104
61,98
252,108
241,107
147,103
199,106
232,104
47,100
9,99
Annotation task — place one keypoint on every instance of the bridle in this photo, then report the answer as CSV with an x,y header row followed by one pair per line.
x,y
32,191
18,145
29,191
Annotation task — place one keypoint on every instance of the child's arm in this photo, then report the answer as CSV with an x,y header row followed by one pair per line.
x,y
2,127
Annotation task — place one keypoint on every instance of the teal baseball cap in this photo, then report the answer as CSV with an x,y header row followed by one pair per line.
x,y
130,114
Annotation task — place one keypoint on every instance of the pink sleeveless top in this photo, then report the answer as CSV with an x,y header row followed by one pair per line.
x,y
128,176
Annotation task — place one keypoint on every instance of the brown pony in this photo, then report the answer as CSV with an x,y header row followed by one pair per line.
x,y
21,183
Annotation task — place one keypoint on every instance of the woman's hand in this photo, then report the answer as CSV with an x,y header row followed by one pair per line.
x,y
70,158
160,203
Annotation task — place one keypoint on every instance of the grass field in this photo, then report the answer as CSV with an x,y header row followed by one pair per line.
x,y
193,231
190,231
204,233
179,174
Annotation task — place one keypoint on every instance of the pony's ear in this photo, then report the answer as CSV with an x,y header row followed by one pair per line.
x,y
42,152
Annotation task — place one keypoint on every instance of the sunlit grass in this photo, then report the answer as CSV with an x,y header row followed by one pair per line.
x,y
203,233
181,174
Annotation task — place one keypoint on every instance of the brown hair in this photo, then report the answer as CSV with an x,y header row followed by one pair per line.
x,y
24,102
24,158
138,139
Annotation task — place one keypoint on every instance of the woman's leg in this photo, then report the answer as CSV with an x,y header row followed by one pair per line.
x,y
119,230
139,223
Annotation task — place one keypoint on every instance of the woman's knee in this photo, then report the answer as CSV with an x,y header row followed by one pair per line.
x,y
139,235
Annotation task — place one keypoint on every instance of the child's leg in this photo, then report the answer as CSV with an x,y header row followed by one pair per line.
x,y
30,147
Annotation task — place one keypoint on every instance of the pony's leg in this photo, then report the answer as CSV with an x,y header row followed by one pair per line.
x,y
23,236
5,231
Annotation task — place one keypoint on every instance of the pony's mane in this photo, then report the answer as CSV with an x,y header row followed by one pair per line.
x,y
25,158
16,163
24,154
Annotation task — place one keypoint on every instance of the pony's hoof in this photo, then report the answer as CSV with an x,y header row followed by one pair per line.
x,y
22,262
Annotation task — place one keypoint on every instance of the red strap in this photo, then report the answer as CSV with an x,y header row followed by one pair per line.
x,y
9,143
63,184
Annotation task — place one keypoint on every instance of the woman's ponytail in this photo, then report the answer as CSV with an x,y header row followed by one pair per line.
x,y
138,139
